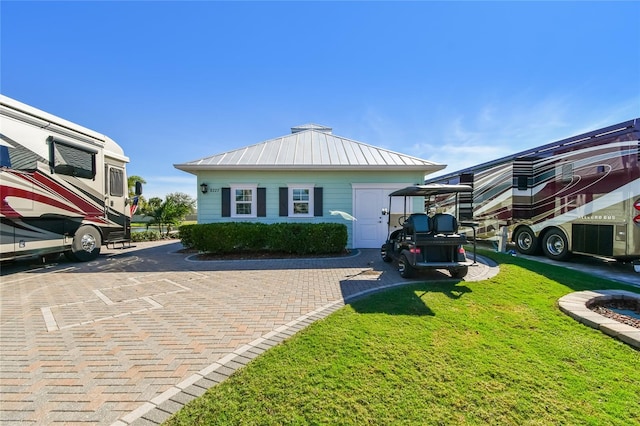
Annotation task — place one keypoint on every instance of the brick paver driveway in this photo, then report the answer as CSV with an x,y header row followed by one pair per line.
x,y
130,337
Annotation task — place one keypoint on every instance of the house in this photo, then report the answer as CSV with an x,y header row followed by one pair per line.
x,y
309,175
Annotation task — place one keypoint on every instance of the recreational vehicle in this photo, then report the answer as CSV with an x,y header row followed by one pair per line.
x,y
580,195
63,187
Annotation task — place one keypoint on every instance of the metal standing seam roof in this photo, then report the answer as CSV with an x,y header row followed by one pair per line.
x,y
310,146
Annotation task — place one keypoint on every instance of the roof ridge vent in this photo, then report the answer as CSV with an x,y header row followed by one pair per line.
x,y
311,126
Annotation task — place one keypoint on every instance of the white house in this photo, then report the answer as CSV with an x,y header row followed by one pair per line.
x,y
308,175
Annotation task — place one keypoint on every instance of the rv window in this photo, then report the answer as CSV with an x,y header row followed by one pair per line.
x,y
567,173
73,161
466,178
15,156
5,161
522,183
116,182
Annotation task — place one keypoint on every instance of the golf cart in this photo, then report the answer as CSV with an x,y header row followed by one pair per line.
x,y
427,240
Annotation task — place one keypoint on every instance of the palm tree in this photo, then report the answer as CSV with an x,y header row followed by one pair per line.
x,y
171,211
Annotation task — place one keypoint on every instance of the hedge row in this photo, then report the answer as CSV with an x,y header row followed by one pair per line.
x,y
148,235
232,237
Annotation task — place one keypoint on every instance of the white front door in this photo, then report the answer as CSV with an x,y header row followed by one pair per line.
x,y
370,228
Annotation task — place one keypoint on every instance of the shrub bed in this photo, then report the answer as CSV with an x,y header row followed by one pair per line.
x,y
148,235
236,237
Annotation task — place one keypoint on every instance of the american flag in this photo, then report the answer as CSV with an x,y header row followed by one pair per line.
x,y
134,206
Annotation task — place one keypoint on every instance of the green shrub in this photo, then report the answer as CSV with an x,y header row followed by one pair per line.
x,y
186,235
298,238
148,235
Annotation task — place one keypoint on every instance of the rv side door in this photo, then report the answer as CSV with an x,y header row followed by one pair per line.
x,y
116,193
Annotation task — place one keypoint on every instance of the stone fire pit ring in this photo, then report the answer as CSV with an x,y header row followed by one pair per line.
x,y
577,304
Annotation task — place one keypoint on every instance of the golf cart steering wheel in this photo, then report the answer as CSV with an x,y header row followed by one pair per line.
x,y
402,220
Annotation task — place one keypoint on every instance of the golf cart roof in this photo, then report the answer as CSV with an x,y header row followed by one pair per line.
x,y
430,189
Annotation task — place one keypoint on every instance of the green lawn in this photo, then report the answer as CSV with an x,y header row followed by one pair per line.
x,y
492,352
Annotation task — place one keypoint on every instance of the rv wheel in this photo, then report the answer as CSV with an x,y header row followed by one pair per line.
x,y
526,241
405,268
555,245
86,244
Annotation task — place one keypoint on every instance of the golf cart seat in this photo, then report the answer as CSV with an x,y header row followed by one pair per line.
x,y
418,225
444,224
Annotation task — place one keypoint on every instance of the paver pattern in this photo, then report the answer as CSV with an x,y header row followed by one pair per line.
x,y
133,336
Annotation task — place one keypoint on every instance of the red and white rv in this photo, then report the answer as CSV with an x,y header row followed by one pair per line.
x,y
63,187
580,194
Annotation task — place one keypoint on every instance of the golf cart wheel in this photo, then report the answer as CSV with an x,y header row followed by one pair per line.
x,y
555,245
384,253
526,241
459,272
86,244
405,268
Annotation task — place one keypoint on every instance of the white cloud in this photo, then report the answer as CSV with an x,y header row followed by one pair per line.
x,y
496,129
493,131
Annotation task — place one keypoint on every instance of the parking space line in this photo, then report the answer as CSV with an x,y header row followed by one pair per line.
x,y
103,297
49,319
52,325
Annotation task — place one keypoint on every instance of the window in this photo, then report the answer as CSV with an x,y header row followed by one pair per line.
x,y
243,200
566,172
116,182
522,183
308,201
5,160
15,156
69,159
301,201
466,179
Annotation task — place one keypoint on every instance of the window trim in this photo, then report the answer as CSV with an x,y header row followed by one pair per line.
x,y
254,200
290,201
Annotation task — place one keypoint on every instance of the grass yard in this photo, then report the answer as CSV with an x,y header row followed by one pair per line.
x,y
492,352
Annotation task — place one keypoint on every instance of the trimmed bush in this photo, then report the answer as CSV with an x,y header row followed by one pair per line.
x,y
148,235
234,237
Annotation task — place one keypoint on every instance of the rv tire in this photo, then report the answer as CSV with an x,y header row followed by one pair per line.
x,y
86,244
526,241
555,245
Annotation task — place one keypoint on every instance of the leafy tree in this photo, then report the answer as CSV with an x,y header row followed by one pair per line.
x,y
171,211
152,204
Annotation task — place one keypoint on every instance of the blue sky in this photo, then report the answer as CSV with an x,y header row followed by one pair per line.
x,y
457,83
